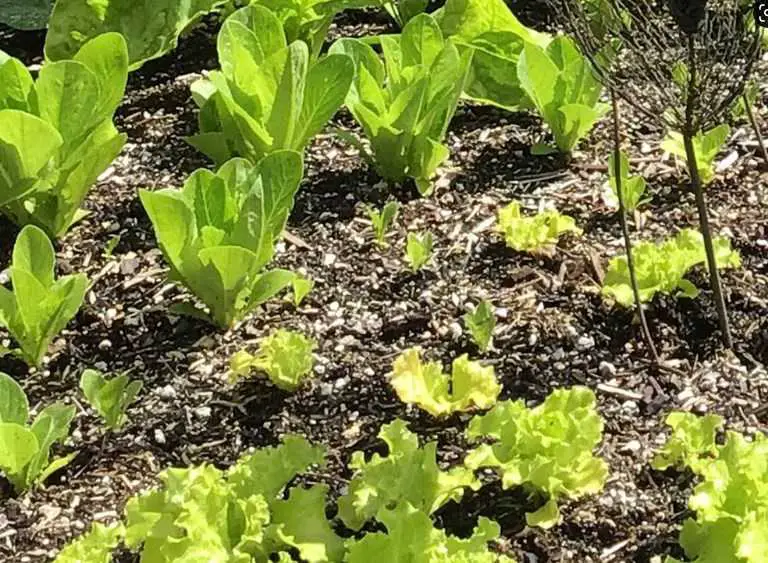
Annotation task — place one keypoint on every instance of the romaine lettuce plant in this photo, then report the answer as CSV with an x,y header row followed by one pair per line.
x,y
480,322
151,28
406,103
470,384
269,95
661,268
705,145
560,82
285,356
38,307
56,133
538,234
110,397
731,500
412,537
25,449
418,250
547,449
409,474
219,232
496,36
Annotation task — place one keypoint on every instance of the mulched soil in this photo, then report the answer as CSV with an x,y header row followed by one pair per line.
x,y
554,328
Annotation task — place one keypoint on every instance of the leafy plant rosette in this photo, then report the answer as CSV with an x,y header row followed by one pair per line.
x,y
470,385
547,449
731,500
537,234
56,133
560,82
151,28
269,95
661,268
405,103
38,306
25,449
219,232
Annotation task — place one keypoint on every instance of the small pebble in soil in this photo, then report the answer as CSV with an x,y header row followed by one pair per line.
x,y
607,369
167,393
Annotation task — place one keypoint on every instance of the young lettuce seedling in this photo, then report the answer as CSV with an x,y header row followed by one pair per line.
x,y
38,307
538,234
480,323
25,450
661,268
219,232
706,146
269,95
418,250
301,288
109,397
382,220
560,82
406,103
285,356
633,187
56,133
470,385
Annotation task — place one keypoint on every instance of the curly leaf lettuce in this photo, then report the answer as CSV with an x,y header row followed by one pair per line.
x,y
285,356
661,268
470,385
407,474
538,234
94,547
548,449
412,538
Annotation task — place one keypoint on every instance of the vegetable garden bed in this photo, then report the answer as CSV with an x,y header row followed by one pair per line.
x,y
554,329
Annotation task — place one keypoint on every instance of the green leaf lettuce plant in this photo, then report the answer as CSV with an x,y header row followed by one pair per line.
x,y
538,234
661,268
151,28
547,449
38,306
285,356
408,474
706,145
405,103
730,501
269,94
418,250
25,449
470,384
95,546
56,133
480,322
560,82
219,232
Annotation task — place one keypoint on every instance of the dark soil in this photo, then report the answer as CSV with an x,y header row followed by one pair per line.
x,y
554,329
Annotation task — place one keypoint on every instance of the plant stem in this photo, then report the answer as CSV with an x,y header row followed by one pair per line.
x,y
625,229
755,127
701,203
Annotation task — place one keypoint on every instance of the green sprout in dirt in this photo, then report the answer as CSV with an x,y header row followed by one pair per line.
x,y
681,66
38,306
25,449
301,287
538,234
480,323
706,146
284,356
382,220
110,397
418,250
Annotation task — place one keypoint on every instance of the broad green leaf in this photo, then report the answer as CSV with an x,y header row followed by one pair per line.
x,y
106,56
49,427
16,86
287,106
33,253
14,407
172,219
18,446
25,14
301,523
27,144
151,27
421,41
